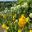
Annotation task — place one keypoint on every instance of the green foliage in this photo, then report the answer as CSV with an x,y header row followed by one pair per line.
x,y
8,10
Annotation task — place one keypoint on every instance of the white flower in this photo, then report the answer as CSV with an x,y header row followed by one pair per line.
x,y
12,7
25,5
30,15
18,6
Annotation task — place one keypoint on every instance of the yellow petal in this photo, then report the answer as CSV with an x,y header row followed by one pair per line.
x,y
27,19
19,30
3,26
7,28
30,30
22,21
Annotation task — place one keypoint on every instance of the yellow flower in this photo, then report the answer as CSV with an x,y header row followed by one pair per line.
x,y
5,27
30,31
27,19
22,21
2,29
19,30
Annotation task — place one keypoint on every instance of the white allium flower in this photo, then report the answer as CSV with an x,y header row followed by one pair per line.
x,y
25,5
30,15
